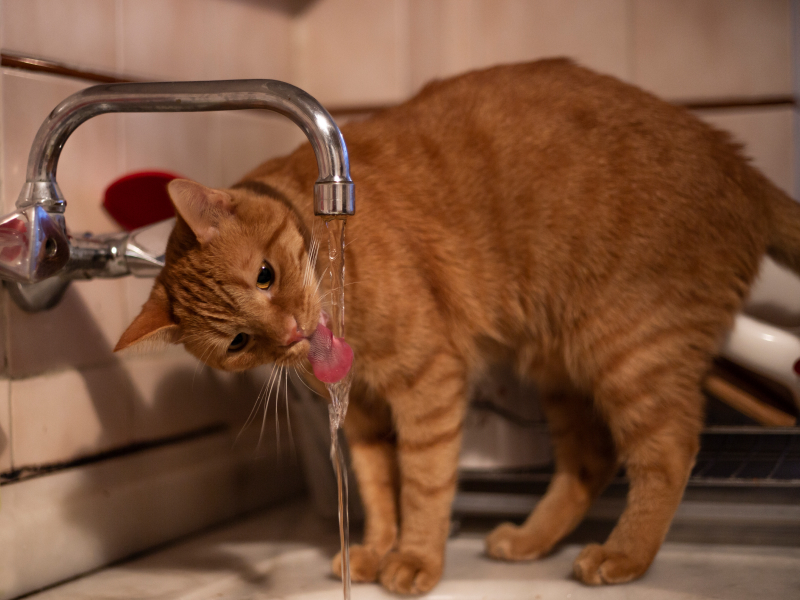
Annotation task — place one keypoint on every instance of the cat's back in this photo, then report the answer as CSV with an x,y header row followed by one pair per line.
x,y
549,127
542,180
538,187
549,151
520,104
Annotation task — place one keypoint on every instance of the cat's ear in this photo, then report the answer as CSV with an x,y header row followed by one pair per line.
x,y
153,326
202,208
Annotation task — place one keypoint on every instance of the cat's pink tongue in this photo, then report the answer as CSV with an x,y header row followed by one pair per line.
x,y
330,357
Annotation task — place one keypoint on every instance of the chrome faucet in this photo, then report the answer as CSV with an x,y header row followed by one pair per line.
x,y
38,257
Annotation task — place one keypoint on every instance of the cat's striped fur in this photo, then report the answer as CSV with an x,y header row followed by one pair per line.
x,y
598,238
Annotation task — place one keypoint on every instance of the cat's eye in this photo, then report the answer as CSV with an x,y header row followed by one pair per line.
x,y
239,342
266,276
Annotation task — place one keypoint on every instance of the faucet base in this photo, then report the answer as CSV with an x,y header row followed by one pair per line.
x,y
33,244
35,297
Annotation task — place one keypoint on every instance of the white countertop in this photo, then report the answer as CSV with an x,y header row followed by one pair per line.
x,y
285,553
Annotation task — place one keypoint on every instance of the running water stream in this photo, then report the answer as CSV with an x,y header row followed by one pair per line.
x,y
339,391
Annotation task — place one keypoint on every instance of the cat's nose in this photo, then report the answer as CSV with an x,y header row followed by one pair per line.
x,y
295,332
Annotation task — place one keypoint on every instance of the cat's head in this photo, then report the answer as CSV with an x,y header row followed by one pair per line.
x,y
237,288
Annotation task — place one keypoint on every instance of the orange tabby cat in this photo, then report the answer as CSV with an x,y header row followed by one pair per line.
x,y
597,237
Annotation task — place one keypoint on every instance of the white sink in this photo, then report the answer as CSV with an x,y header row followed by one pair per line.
x,y
285,553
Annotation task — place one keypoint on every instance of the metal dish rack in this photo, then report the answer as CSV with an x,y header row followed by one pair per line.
x,y
745,456
744,488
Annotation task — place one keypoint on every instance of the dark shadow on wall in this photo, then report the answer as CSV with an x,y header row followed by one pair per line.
x,y
182,437
67,337
289,7
195,484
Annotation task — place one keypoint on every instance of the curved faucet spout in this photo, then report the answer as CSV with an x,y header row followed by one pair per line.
x,y
333,192
39,254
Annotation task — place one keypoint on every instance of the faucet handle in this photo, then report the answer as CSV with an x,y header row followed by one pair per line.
x,y
139,253
33,244
147,247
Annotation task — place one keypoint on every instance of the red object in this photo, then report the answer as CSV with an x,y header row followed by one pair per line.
x,y
139,199
796,367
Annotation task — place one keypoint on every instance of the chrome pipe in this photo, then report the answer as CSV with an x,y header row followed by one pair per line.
x,y
333,191
34,244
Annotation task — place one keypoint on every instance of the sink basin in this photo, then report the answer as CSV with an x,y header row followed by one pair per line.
x,y
285,553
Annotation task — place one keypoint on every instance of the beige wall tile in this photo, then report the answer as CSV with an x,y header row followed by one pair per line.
x,y
767,136
89,160
75,32
80,331
76,520
350,52
440,43
251,40
688,49
70,414
5,425
205,39
249,139
593,33
452,36
168,39
187,144
178,394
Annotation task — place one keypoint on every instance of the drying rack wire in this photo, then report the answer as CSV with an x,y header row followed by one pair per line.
x,y
731,456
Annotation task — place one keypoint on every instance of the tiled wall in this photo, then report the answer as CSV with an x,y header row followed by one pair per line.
x,y
354,52
64,394
346,53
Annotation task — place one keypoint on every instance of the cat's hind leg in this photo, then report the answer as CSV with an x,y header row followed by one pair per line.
x,y
370,439
653,405
585,462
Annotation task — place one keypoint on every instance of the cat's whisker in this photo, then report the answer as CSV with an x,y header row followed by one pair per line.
x,y
288,419
321,279
277,421
266,396
261,396
328,293
307,273
308,263
300,377
311,262
201,363
314,258
305,269
266,406
254,410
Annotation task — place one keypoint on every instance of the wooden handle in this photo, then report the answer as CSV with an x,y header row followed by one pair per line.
x,y
747,404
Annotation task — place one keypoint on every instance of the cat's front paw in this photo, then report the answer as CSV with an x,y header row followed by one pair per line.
x,y
509,542
597,565
405,572
364,564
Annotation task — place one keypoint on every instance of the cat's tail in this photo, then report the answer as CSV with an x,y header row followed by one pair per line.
x,y
784,238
